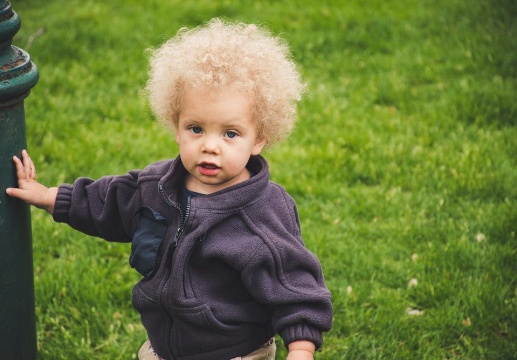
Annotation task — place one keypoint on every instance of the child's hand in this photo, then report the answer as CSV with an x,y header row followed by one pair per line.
x,y
301,350
29,190
300,355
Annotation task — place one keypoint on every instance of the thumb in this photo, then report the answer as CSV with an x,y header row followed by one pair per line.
x,y
14,192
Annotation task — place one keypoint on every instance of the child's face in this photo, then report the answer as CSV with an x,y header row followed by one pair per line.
x,y
216,137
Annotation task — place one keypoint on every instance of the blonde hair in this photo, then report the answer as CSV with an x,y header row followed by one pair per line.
x,y
220,55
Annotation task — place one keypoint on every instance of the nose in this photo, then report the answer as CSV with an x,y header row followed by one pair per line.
x,y
210,145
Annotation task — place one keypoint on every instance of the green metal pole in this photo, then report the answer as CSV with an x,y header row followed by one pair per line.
x,y
17,310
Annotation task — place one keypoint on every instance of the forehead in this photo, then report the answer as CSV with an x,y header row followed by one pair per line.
x,y
210,91
230,97
207,105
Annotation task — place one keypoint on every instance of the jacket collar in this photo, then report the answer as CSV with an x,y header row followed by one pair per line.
x,y
241,194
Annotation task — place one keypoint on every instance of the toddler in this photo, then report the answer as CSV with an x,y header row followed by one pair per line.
x,y
223,264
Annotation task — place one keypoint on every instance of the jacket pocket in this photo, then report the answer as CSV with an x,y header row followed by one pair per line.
x,y
149,234
201,317
155,320
197,331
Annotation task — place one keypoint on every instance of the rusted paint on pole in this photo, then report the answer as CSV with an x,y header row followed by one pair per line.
x,y
17,310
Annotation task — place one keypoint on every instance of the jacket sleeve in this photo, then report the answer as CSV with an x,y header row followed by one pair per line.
x,y
286,276
102,208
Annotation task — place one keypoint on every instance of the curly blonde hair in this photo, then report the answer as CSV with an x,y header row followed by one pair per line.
x,y
220,55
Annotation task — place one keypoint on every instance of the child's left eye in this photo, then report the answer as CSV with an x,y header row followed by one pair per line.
x,y
231,134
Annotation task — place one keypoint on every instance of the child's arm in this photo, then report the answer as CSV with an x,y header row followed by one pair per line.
x,y
301,350
29,190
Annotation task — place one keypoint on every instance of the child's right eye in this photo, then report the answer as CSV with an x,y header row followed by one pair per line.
x,y
195,129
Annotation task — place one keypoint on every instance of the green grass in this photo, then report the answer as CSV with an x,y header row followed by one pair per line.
x,y
403,165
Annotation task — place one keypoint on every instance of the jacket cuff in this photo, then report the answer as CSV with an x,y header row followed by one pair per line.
x,y
302,332
63,203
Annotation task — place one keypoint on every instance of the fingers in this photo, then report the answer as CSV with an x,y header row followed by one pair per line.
x,y
25,169
26,174
20,170
30,169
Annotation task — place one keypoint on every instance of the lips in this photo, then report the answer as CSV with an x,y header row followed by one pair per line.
x,y
208,169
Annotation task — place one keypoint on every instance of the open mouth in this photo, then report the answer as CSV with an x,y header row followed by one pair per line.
x,y
208,169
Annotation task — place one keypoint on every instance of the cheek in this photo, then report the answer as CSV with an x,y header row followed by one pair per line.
x,y
185,148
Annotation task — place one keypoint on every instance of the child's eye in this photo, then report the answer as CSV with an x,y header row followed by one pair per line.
x,y
195,129
231,134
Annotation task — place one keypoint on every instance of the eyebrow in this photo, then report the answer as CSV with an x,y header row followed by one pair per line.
x,y
229,123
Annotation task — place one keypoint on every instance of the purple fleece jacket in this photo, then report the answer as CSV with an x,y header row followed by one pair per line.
x,y
223,281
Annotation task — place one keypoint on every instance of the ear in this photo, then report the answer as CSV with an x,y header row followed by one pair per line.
x,y
259,145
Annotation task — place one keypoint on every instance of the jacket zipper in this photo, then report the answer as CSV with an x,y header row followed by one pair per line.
x,y
179,231
171,249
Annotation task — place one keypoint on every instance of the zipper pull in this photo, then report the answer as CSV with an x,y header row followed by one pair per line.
x,y
174,244
177,237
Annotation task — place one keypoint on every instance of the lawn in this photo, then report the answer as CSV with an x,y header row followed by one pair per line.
x,y
403,165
